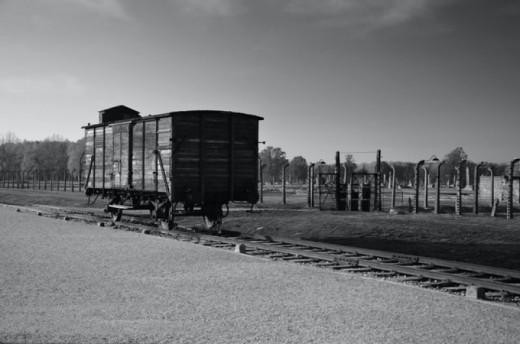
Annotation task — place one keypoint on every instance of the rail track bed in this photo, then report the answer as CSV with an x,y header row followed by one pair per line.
x,y
474,281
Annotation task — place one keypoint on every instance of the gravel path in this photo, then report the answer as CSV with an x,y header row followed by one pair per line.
x,y
64,282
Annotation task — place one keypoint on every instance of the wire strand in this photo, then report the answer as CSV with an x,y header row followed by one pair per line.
x,y
358,152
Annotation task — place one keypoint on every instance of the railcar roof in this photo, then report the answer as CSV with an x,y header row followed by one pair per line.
x,y
184,112
208,111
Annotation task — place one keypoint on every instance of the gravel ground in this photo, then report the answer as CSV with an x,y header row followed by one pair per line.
x,y
64,282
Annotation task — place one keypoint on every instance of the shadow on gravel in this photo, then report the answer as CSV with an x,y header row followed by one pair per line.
x,y
505,256
226,233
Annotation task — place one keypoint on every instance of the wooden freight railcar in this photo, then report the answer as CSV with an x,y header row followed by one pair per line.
x,y
177,163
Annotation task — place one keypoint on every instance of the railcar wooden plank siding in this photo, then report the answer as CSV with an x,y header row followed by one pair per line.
x,y
207,156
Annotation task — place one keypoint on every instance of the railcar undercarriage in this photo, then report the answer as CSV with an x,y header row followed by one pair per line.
x,y
160,207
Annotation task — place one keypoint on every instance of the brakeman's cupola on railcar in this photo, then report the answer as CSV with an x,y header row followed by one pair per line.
x,y
117,113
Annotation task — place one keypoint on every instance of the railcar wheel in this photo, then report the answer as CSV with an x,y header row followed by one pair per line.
x,y
171,217
209,223
212,216
167,218
227,210
154,213
116,214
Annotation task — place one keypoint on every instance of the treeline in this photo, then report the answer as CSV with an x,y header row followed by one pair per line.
x,y
53,153
57,154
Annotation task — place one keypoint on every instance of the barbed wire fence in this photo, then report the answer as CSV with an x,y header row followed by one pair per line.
x,y
53,180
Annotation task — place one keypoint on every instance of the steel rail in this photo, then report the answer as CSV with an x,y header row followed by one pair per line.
x,y
396,267
392,255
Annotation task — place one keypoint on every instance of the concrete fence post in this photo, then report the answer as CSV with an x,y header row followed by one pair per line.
x,y
416,185
476,182
510,193
284,182
458,184
438,187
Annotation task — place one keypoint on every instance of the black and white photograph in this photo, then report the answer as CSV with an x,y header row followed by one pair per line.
x,y
259,171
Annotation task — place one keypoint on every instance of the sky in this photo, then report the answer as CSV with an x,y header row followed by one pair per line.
x,y
413,78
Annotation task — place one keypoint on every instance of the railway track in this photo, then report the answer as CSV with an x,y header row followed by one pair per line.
x,y
475,281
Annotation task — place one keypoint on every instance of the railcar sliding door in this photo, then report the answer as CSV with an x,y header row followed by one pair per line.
x,y
99,149
144,161
148,136
108,153
245,157
164,146
186,159
215,155
121,151
89,155
98,157
138,151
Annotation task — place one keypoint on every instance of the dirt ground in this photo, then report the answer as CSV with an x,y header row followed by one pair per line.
x,y
478,239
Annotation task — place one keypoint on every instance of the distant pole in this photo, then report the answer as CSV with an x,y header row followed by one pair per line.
x,y
476,182
310,188
510,196
262,183
393,187
80,170
378,181
319,185
458,203
338,182
51,174
72,179
490,169
438,187
284,182
425,187
416,184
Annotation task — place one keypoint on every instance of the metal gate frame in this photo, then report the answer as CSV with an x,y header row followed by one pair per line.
x,y
360,181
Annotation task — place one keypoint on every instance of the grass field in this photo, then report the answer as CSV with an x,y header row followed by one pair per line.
x,y
478,239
